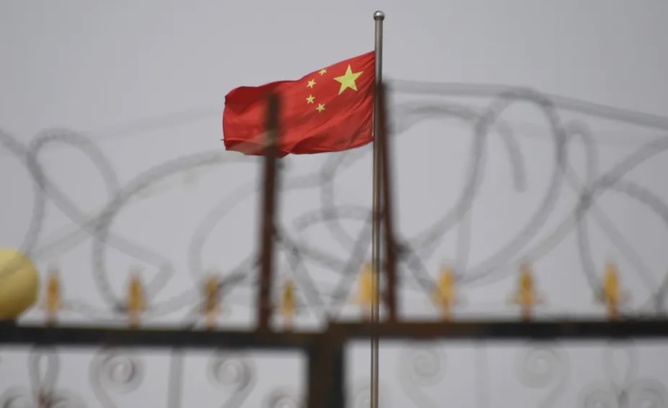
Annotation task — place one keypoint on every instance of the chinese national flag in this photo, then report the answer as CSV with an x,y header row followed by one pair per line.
x,y
328,110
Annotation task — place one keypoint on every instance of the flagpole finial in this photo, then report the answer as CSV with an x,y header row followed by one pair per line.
x,y
379,15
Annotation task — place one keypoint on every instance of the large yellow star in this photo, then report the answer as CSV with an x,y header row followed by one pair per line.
x,y
347,80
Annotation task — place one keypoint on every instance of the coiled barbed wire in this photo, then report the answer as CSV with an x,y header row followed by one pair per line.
x,y
414,251
29,241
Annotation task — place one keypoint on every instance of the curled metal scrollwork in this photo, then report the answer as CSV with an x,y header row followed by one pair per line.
x,y
282,399
622,389
598,398
44,369
119,371
235,373
421,365
648,394
231,372
541,367
16,398
645,394
66,400
361,397
425,366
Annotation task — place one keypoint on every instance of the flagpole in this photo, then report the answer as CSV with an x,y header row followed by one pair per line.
x,y
378,17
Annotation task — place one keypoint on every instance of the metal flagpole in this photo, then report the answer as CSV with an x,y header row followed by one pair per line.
x,y
378,16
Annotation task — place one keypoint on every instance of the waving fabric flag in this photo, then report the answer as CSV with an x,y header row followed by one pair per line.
x,y
327,110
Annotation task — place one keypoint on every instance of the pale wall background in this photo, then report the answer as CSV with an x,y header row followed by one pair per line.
x,y
130,86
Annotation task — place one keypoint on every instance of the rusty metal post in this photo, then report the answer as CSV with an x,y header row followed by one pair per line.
x,y
326,371
386,187
267,213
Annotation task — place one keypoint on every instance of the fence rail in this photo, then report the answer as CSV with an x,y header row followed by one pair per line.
x,y
325,350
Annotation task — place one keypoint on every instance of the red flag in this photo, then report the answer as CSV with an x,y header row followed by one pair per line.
x,y
328,110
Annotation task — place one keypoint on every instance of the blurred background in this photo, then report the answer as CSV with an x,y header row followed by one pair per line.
x,y
522,132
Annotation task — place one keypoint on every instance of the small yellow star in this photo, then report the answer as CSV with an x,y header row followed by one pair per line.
x,y
310,99
311,83
347,80
323,71
321,107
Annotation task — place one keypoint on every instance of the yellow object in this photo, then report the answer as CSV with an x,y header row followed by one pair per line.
x,y
612,291
445,295
136,303
366,295
53,297
288,303
19,284
211,301
289,300
347,80
526,295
